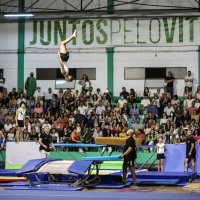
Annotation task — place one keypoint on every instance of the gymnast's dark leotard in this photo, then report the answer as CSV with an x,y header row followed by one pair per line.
x,y
64,56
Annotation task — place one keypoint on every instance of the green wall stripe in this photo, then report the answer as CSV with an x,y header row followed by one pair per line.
x,y
21,35
110,5
110,68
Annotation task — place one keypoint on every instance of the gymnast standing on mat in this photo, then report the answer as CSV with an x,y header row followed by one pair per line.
x,y
63,55
129,155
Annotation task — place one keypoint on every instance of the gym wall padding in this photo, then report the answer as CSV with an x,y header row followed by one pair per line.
x,y
175,156
20,153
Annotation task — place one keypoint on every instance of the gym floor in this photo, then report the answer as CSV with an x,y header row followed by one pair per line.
x,y
135,193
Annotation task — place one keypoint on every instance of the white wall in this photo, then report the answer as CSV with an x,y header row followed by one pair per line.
x,y
175,54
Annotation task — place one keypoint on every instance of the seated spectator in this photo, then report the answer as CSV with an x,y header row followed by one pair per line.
x,y
134,112
79,118
195,116
38,109
132,96
13,93
151,138
192,108
97,133
33,135
197,103
122,134
187,92
188,102
185,118
152,109
164,119
168,109
86,136
7,126
174,101
38,93
122,101
146,92
137,125
145,102
21,99
75,136
46,123
197,93
98,92
104,101
165,92
100,108
11,135
124,93
95,100
108,95
158,93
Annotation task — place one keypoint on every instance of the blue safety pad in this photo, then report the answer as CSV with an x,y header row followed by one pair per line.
x,y
102,158
5,172
112,186
158,181
51,187
183,176
33,165
80,167
19,183
79,145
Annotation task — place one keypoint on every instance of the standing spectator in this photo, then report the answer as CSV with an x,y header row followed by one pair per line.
x,y
2,140
161,147
45,141
85,82
189,81
30,85
2,82
20,119
129,155
38,92
48,95
124,93
190,151
169,81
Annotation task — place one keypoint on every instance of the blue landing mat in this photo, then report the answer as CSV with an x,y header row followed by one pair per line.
x,y
33,165
80,167
15,184
51,187
5,172
158,181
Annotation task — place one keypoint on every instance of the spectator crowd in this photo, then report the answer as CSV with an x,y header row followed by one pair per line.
x,y
80,116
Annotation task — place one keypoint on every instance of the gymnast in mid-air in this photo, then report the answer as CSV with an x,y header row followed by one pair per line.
x,y
63,55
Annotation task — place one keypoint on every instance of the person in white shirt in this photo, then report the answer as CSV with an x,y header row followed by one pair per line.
x,y
38,93
100,108
189,80
97,133
7,126
82,108
168,109
21,99
145,102
48,95
46,124
161,148
122,101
